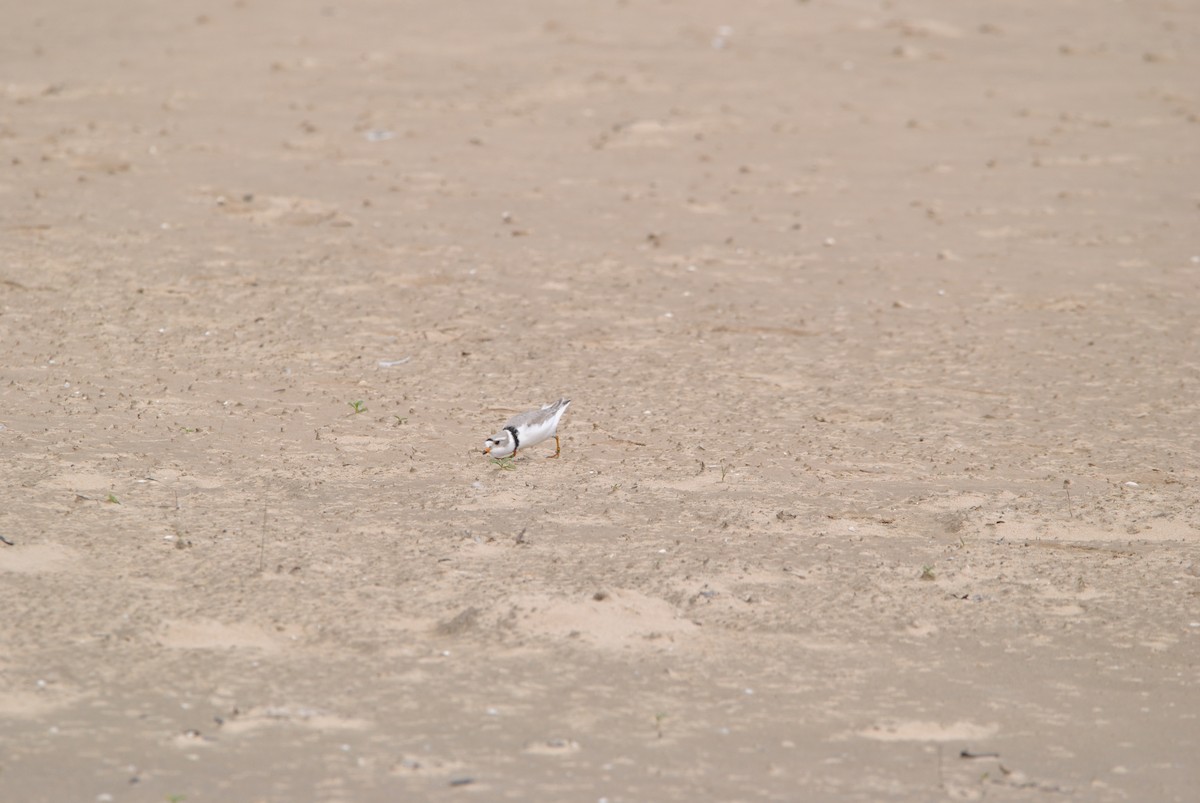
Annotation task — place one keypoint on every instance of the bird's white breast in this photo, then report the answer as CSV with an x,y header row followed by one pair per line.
x,y
536,433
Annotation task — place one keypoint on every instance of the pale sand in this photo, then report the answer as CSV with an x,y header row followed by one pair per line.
x,y
842,296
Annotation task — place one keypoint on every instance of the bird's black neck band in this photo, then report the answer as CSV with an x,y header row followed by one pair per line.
x,y
516,440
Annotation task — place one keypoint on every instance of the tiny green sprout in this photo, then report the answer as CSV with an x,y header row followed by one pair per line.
x,y
358,406
400,420
927,572
504,463
113,500
176,798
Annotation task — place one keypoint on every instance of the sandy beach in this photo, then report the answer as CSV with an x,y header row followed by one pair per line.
x,y
881,478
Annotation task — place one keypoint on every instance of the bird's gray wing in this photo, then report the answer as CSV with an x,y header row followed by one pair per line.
x,y
535,417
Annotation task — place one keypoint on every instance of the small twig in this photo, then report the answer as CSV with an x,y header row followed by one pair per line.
x,y
625,440
1067,488
614,438
969,754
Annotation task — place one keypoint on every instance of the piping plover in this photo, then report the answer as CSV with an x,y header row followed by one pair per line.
x,y
527,429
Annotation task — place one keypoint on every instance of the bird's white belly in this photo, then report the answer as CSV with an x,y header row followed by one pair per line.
x,y
535,435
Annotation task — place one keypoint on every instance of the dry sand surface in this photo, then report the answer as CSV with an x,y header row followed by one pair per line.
x,y
845,295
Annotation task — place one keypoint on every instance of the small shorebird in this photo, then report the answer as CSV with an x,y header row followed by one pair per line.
x,y
528,429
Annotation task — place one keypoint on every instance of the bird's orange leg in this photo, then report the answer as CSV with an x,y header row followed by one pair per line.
x,y
557,449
